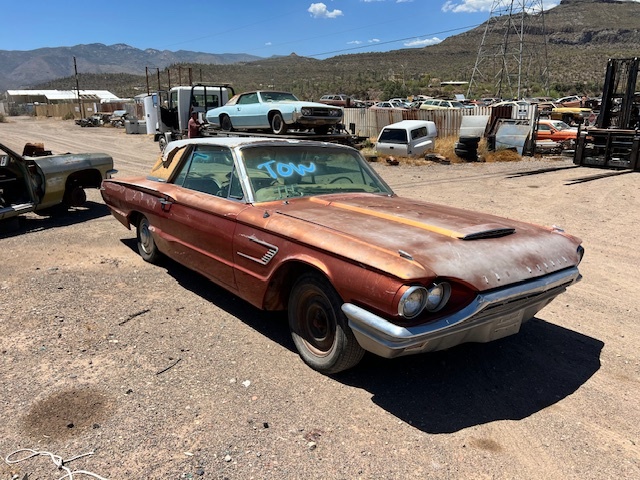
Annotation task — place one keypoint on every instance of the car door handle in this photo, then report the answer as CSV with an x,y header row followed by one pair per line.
x,y
165,204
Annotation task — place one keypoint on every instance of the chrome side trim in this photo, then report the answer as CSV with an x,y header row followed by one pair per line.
x,y
271,252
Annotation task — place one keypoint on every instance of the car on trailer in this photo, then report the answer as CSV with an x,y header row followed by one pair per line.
x,y
274,111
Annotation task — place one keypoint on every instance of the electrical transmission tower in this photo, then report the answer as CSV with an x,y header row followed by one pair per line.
x,y
512,58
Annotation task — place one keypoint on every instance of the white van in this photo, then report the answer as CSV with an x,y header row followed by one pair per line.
x,y
407,138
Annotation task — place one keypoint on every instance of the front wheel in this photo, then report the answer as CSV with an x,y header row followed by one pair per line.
x,y
146,245
318,327
277,124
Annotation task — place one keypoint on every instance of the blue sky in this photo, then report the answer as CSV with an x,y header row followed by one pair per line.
x,y
319,29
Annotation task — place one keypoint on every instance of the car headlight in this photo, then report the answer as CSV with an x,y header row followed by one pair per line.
x,y
438,296
307,112
413,302
336,113
416,299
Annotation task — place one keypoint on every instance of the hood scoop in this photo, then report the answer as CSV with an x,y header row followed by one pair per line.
x,y
478,232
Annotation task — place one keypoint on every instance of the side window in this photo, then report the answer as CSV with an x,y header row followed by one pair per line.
x,y
418,133
212,101
173,101
248,99
208,169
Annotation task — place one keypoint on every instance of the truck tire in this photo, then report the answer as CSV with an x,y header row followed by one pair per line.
x,y
469,141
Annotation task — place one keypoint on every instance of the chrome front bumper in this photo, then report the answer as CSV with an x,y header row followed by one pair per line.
x,y
490,316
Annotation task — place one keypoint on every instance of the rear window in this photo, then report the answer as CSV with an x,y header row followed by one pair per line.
x,y
393,135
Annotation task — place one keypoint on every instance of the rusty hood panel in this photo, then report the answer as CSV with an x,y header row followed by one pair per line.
x,y
413,239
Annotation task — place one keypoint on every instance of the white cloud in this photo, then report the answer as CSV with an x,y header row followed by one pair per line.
x,y
268,44
319,10
354,42
472,6
374,40
423,43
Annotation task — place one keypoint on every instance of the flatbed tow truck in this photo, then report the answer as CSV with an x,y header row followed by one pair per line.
x,y
176,104
342,137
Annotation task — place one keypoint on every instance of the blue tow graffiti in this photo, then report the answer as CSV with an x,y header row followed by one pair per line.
x,y
285,170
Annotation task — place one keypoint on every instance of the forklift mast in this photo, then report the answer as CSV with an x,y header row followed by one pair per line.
x,y
614,141
619,107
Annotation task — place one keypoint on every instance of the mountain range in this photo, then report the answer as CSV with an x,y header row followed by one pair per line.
x,y
579,36
23,69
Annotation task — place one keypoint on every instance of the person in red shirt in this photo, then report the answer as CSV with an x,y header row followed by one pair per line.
x,y
194,126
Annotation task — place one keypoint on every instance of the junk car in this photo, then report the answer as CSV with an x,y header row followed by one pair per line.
x,y
310,228
38,179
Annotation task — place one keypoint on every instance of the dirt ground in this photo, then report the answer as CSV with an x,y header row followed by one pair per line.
x,y
165,376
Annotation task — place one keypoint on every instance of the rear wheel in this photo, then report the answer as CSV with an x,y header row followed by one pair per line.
x,y
225,123
318,327
277,124
74,196
146,245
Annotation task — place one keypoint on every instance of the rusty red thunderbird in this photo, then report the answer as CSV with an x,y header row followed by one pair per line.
x,y
311,228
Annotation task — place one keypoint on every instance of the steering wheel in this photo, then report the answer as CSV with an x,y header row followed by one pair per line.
x,y
337,179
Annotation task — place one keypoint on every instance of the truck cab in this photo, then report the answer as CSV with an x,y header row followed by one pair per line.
x,y
176,104
407,138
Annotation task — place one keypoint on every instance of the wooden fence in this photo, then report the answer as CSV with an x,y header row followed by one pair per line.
x,y
362,121
368,123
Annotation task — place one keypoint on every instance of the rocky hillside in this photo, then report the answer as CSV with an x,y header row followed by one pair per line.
x,y
581,35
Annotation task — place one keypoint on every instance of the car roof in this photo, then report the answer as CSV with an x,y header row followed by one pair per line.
x,y
408,124
233,142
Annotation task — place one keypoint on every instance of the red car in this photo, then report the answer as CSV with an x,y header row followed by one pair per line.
x,y
555,130
310,228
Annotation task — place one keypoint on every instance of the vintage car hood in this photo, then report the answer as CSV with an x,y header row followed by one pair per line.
x,y
413,239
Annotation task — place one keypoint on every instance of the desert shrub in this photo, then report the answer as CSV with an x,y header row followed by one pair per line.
x,y
68,116
2,118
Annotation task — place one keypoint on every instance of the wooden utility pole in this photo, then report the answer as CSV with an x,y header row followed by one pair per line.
x,y
80,106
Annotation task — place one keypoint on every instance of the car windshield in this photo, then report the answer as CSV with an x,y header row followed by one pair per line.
x,y
281,172
278,97
560,125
